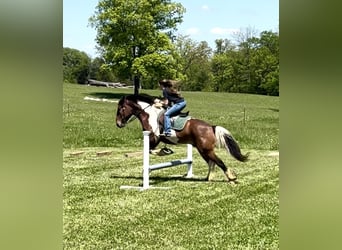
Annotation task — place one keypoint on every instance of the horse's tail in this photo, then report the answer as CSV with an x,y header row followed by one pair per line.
x,y
225,139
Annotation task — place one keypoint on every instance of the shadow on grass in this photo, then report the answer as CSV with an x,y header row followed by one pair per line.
x,y
275,110
161,179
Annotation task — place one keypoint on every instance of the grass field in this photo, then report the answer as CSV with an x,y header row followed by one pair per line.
x,y
192,214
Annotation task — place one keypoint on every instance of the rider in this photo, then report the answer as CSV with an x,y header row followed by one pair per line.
x,y
173,100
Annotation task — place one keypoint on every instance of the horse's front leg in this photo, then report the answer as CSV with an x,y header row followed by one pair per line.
x,y
154,141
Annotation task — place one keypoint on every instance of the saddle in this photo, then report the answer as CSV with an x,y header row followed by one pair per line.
x,y
177,122
184,114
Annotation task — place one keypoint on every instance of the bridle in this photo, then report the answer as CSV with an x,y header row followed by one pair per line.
x,y
134,111
135,114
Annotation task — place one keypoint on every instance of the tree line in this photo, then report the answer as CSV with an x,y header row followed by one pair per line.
x,y
136,40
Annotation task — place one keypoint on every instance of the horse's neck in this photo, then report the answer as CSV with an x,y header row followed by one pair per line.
x,y
143,118
149,118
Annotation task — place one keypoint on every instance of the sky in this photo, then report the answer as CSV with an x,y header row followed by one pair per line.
x,y
204,20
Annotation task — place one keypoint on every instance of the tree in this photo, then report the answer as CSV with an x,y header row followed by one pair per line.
x,y
76,66
223,46
195,65
224,66
259,62
250,67
99,72
269,45
134,36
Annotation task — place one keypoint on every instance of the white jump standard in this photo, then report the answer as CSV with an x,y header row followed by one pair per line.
x,y
147,168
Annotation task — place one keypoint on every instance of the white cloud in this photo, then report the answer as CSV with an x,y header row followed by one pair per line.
x,y
205,7
192,31
223,31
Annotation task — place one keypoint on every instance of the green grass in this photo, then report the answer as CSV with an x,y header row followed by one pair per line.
x,y
192,214
252,119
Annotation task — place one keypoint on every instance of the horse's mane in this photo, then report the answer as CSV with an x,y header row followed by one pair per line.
x,y
142,97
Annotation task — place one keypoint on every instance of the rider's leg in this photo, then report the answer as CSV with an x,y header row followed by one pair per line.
x,y
174,110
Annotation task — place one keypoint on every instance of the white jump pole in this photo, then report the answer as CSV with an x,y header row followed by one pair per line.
x,y
146,160
147,168
189,158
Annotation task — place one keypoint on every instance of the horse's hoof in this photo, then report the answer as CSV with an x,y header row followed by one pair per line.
x,y
233,182
231,175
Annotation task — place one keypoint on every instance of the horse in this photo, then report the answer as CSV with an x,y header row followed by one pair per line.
x,y
200,134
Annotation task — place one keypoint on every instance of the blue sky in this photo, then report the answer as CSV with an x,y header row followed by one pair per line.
x,y
204,20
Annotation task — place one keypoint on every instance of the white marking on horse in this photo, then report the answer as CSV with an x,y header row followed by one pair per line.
x,y
153,116
153,120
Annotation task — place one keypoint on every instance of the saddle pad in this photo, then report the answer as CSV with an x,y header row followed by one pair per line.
x,y
178,122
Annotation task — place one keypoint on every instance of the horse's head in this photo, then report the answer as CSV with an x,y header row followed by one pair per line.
x,y
126,109
137,106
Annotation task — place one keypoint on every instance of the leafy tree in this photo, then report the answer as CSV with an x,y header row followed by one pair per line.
x,y
134,36
271,83
265,62
224,66
95,68
75,66
194,59
251,67
100,73
223,46
270,40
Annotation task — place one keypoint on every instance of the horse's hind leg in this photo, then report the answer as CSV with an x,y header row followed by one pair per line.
x,y
211,165
211,168
211,158
227,171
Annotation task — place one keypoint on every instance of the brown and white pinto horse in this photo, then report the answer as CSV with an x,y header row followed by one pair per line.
x,y
200,134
